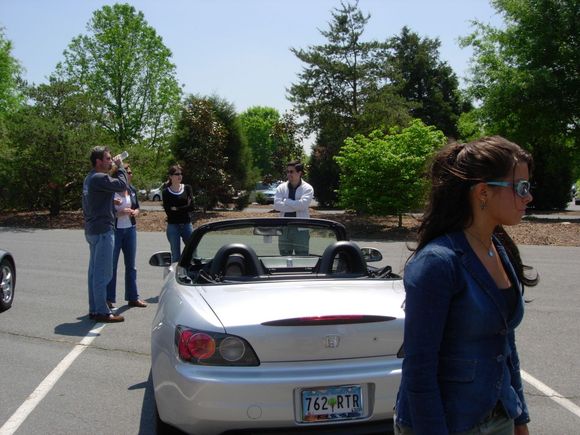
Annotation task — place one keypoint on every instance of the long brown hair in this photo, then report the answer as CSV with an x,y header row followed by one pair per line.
x,y
454,170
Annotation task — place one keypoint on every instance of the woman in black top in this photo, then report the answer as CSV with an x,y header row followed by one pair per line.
x,y
177,203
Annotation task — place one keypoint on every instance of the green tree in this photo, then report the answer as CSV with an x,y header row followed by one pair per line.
x,y
258,124
50,141
332,90
385,174
10,81
199,145
423,80
287,141
124,66
275,140
526,78
238,163
343,90
469,126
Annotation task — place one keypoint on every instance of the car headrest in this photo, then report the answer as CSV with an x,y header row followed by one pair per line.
x,y
349,260
251,263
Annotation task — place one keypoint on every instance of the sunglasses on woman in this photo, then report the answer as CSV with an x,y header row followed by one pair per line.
x,y
522,187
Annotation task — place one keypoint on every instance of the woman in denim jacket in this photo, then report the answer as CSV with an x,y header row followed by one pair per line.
x,y
464,286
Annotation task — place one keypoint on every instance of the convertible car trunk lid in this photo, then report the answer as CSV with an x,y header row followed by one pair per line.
x,y
314,319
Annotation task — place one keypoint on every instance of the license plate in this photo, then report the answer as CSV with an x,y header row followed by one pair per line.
x,y
332,403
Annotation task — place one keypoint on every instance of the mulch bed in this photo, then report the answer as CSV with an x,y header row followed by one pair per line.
x,y
529,232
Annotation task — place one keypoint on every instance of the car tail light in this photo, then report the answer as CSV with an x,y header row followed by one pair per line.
x,y
196,345
213,348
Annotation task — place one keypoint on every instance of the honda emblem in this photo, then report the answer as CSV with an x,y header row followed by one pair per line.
x,y
331,341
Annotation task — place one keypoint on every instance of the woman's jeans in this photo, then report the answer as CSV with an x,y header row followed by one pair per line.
x,y
496,425
100,270
126,241
176,233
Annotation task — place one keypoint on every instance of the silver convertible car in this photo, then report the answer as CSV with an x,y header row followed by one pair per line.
x,y
276,325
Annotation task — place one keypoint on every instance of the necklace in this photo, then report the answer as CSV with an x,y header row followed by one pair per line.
x,y
488,249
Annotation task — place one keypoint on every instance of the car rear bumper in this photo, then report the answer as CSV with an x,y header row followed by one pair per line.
x,y
213,400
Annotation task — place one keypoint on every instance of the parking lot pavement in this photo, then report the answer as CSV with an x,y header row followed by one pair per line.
x,y
106,389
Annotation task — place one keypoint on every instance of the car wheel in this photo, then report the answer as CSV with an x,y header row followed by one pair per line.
x,y
156,198
162,428
7,283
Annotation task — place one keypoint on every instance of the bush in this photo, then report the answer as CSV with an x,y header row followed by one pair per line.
x,y
261,198
385,174
242,200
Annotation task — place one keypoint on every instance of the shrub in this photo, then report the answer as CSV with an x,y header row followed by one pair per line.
x,y
242,200
261,198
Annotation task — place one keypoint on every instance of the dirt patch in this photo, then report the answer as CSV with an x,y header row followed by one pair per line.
x,y
529,232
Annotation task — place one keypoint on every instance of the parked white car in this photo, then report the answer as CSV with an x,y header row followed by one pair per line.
x,y
267,190
153,195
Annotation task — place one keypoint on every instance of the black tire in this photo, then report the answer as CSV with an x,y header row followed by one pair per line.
x,y
7,283
156,198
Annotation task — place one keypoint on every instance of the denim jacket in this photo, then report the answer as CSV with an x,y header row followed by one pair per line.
x,y
460,351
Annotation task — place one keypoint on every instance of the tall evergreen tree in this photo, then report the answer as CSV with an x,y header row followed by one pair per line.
x,y
422,79
340,78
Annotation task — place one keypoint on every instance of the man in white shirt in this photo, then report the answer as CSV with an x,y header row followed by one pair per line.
x,y
293,199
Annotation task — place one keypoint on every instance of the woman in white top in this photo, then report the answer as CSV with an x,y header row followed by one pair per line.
x,y
126,209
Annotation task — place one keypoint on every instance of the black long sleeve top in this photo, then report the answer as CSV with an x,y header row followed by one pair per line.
x,y
178,205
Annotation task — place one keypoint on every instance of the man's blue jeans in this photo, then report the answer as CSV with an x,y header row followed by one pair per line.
x,y
126,241
294,241
175,233
100,270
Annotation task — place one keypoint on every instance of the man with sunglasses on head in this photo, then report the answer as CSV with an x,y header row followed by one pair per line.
x,y
293,199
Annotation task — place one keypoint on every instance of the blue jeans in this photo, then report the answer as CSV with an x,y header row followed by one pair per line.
x,y
293,241
100,270
175,233
126,241
497,425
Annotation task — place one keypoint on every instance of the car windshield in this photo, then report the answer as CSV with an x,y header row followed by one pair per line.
x,y
265,240
263,249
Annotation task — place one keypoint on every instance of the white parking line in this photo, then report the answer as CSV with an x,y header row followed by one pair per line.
x,y
552,394
14,422
46,385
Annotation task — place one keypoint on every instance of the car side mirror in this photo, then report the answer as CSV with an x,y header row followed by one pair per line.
x,y
371,254
161,259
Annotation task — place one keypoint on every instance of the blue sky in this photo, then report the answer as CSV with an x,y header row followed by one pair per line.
x,y
237,49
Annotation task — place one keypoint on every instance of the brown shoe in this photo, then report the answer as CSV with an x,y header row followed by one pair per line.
x,y
108,318
110,305
138,303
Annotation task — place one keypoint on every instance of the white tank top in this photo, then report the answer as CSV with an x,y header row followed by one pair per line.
x,y
123,220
